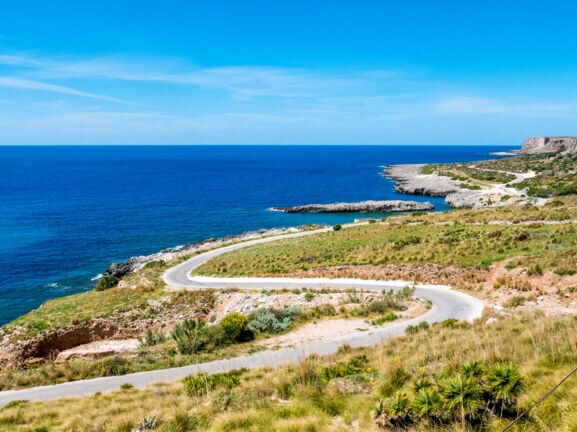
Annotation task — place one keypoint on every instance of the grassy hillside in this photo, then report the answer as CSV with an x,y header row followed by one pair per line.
x,y
459,238
313,397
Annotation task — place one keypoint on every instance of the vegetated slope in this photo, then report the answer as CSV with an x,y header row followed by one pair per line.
x,y
464,238
345,391
552,174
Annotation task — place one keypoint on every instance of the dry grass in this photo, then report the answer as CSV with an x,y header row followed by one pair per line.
x,y
452,242
291,398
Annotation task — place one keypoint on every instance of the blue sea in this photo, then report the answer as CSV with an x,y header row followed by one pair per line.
x,y
66,212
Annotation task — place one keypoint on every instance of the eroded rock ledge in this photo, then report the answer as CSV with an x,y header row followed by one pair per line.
x,y
409,180
360,207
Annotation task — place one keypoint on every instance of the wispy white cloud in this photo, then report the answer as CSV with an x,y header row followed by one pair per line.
x,y
251,103
244,82
26,84
474,105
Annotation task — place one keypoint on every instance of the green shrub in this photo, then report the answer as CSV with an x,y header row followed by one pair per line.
x,y
190,336
461,399
309,296
344,369
406,241
126,386
386,317
155,265
235,327
153,338
202,383
515,301
106,282
565,272
413,329
337,227
264,320
14,403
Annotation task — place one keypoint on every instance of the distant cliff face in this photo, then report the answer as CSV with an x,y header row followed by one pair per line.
x,y
550,144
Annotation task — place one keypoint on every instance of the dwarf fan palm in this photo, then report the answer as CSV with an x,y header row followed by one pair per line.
x,y
463,398
505,384
427,404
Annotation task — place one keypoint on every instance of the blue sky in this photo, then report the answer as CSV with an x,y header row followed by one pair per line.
x,y
293,72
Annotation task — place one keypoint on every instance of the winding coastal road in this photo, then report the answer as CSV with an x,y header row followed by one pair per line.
x,y
447,303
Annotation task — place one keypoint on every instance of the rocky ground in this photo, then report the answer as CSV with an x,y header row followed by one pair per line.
x,y
333,329
501,287
102,337
409,179
360,207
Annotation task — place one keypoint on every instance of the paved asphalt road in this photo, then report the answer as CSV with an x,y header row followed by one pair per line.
x,y
446,304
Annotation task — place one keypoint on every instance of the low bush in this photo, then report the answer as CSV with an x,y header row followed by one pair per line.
x,y
414,329
386,317
514,301
153,338
564,272
264,320
355,366
155,265
106,282
235,328
464,398
190,336
202,383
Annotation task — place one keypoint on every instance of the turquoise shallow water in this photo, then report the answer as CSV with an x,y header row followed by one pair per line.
x,y
67,212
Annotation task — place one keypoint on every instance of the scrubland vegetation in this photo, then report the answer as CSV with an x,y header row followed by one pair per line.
x,y
555,174
439,378
196,340
459,238
450,376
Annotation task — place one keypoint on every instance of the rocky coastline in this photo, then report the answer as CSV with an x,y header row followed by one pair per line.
x,y
132,265
409,179
360,207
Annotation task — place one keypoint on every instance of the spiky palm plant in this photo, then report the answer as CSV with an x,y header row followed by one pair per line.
x,y
394,412
428,404
473,369
190,336
505,384
463,397
421,384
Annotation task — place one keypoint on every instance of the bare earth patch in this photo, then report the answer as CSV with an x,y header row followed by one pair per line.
x,y
334,329
548,292
245,302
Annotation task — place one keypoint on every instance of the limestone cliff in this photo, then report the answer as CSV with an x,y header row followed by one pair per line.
x,y
550,144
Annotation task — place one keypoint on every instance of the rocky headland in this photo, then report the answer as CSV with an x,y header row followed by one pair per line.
x,y
549,144
409,179
360,207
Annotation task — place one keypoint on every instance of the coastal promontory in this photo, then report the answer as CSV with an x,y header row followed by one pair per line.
x,y
360,207
550,145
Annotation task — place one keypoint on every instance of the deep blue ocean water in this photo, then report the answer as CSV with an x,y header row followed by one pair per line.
x,y
67,212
